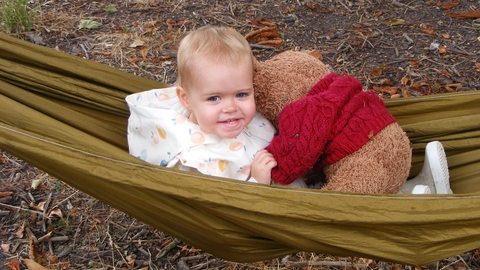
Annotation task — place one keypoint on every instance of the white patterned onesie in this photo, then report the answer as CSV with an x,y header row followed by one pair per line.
x,y
160,133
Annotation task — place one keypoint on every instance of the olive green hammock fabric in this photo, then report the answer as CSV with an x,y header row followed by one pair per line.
x,y
67,116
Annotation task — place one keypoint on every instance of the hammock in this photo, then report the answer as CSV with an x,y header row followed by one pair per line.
x,y
67,116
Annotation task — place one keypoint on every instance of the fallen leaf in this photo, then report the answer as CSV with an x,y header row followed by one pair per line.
x,y
33,265
404,80
386,89
20,231
55,213
5,194
133,60
36,183
150,30
150,23
110,9
263,22
268,36
450,5
89,24
477,65
313,7
317,55
445,35
465,15
396,22
386,81
39,207
428,31
450,87
144,54
445,73
14,265
5,247
378,71
442,50
137,43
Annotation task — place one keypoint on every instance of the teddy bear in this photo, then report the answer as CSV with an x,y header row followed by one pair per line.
x,y
329,127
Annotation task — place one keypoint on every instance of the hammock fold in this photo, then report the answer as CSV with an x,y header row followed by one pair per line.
x,y
67,116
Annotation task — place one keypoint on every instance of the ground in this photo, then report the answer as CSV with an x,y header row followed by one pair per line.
x,y
398,48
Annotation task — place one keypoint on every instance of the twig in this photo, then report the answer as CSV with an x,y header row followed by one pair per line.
x,y
21,208
256,46
329,263
84,50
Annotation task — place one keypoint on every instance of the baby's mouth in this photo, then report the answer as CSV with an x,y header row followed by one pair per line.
x,y
230,121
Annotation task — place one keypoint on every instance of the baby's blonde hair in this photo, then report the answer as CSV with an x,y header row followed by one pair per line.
x,y
218,44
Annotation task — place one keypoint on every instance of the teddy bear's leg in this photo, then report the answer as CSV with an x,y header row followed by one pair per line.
x,y
434,174
382,165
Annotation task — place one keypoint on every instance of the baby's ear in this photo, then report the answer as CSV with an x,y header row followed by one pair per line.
x,y
183,97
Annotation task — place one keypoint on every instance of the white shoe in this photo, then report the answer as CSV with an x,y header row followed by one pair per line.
x,y
434,173
421,189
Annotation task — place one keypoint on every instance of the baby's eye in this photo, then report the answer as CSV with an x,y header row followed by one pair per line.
x,y
242,95
214,98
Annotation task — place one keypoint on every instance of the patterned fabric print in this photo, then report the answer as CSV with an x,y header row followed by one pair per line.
x,y
160,133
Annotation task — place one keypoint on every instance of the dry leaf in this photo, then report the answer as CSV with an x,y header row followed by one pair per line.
x,y
317,55
133,60
137,43
386,81
450,5
14,265
20,231
268,36
405,92
33,265
428,31
5,194
5,247
450,87
465,15
263,22
386,89
150,24
39,207
442,50
55,213
477,65
404,80
36,183
144,54
313,7
150,30
378,71
445,73
396,22
445,35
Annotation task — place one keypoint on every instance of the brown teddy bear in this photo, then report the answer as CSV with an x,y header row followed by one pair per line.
x,y
327,124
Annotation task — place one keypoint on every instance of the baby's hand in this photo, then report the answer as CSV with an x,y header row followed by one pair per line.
x,y
262,165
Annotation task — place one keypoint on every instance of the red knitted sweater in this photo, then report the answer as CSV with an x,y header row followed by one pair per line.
x,y
334,120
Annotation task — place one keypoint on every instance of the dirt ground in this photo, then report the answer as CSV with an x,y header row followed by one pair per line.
x,y
398,48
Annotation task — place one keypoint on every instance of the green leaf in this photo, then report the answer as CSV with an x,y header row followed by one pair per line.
x,y
111,9
396,22
89,24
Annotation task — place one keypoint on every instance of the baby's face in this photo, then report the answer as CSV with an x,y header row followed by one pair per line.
x,y
220,97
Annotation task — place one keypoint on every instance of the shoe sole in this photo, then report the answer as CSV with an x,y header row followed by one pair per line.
x,y
438,167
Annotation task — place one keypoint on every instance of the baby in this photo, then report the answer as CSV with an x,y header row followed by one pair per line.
x,y
208,122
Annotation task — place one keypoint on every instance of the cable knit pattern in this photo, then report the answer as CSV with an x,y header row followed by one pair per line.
x,y
335,119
